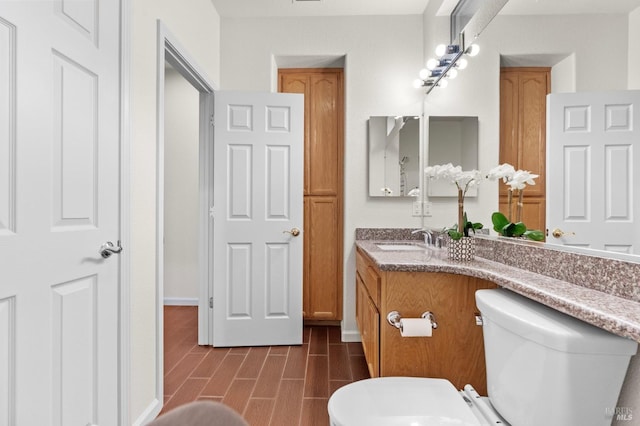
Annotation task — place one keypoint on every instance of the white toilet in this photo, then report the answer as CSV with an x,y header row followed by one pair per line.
x,y
544,368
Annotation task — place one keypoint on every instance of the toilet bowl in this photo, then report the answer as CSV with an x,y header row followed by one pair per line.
x,y
543,368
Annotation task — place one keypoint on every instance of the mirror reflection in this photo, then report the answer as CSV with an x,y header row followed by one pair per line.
x,y
452,140
394,156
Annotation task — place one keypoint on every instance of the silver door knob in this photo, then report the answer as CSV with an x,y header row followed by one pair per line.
x,y
107,249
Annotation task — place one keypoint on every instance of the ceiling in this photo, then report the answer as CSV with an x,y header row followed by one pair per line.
x,y
273,8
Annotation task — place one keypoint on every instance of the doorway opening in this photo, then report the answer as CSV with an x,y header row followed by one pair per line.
x,y
184,188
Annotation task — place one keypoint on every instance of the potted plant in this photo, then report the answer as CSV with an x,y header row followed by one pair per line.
x,y
461,246
516,180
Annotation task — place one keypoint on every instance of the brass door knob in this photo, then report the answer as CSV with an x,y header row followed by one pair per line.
x,y
294,231
557,233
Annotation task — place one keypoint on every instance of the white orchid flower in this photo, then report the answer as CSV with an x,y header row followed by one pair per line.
x,y
521,179
503,171
454,174
468,179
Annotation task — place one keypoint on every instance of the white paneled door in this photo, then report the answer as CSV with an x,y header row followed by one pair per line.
x,y
257,214
593,150
59,202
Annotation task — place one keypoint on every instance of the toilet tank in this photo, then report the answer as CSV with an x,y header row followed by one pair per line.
x,y
547,368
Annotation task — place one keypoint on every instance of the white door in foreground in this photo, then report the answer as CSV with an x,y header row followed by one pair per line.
x,y
59,203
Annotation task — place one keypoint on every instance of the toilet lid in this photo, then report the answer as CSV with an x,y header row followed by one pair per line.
x,y
395,401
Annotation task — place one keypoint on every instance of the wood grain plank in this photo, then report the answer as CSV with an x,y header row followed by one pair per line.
x,y
288,403
188,392
253,362
181,372
210,363
259,411
224,375
316,384
269,380
318,343
339,368
314,412
296,366
238,394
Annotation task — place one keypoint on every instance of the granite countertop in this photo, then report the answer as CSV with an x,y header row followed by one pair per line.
x,y
619,315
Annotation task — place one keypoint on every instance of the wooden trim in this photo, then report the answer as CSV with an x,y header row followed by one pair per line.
x,y
524,69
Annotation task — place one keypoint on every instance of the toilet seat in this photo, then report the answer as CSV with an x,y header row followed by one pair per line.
x,y
406,401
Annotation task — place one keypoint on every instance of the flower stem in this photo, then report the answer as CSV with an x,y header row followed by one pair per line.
x,y
520,204
510,200
460,211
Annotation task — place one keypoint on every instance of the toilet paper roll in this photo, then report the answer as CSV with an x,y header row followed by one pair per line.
x,y
415,327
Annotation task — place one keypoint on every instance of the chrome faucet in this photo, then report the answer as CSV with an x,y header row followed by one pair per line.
x,y
428,236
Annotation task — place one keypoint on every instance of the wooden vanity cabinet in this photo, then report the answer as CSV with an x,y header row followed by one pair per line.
x,y
455,351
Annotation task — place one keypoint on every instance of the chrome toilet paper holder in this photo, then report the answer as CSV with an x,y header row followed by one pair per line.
x,y
394,317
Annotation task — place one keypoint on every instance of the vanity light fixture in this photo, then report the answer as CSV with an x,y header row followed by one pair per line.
x,y
445,67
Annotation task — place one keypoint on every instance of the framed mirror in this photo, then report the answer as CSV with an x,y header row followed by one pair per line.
x,y
451,139
394,156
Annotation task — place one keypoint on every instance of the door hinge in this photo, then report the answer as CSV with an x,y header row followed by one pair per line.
x,y
211,302
212,120
211,212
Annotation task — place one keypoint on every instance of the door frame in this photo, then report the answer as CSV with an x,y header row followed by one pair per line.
x,y
125,213
171,50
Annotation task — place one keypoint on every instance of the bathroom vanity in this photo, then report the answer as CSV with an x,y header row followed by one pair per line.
x,y
599,291
455,351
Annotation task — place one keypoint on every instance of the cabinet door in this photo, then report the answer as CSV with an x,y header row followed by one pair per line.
x,y
456,349
323,93
523,137
368,319
323,177
323,296
325,138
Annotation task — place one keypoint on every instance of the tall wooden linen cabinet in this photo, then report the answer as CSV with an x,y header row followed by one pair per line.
x,y
523,119
323,186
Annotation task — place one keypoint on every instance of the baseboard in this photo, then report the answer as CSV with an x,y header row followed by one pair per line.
x,y
350,336
181,301
150,413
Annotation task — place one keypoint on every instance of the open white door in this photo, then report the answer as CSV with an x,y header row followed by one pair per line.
x,y
593,149
258,213
59,203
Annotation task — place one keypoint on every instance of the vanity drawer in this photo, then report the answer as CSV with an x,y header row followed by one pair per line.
x,y
369,277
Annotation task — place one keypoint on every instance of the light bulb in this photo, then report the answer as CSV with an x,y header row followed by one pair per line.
x,y
417,83
443,83
432,63
462,63
424,73
452,73
441,50
473,50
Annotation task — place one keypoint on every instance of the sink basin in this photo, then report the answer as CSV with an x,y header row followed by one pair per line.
x,y
400,247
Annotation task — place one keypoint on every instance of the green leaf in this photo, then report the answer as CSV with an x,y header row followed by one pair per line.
x,y
507,230
499,221
534,234
519,229
455,235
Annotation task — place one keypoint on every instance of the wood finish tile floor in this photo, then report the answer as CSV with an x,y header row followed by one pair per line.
x,y
277,385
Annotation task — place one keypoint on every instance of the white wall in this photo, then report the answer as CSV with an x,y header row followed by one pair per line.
x,y
196,24
181,194
634,49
